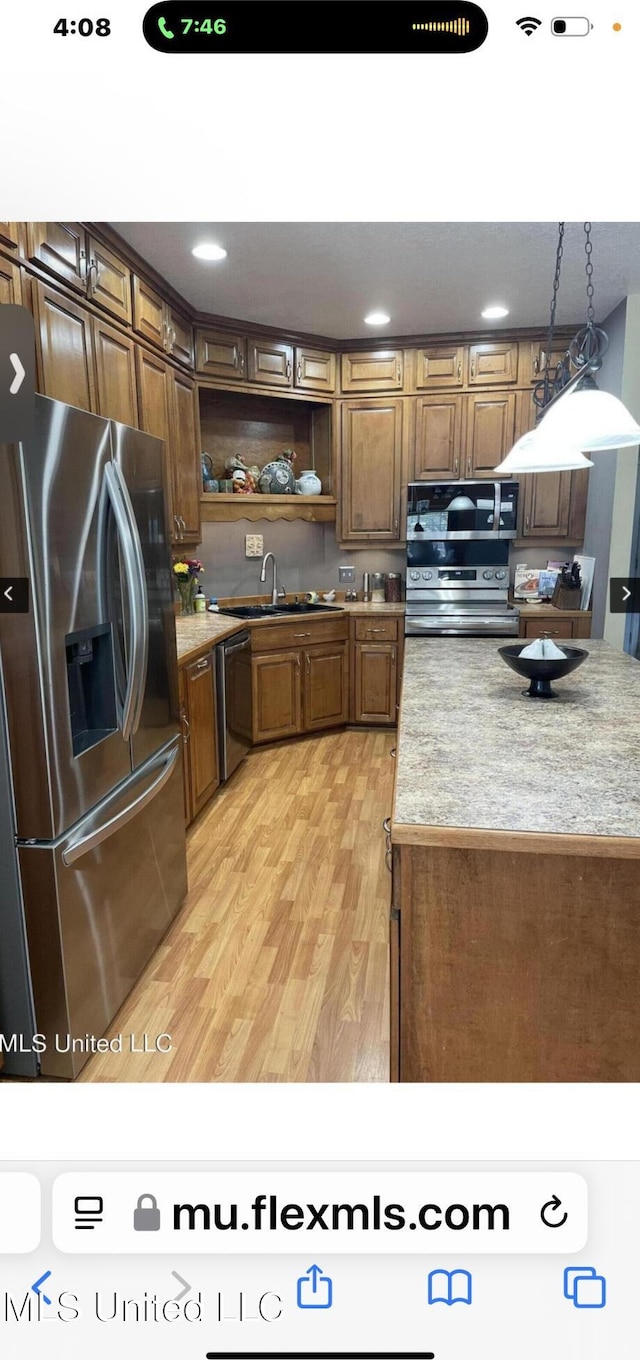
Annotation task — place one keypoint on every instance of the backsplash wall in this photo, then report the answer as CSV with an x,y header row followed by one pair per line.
x,y
307,557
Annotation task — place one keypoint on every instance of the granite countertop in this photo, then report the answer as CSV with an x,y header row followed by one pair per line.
x,y
474,752
194,636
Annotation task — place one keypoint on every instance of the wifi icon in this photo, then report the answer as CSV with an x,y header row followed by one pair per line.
x,y
528,24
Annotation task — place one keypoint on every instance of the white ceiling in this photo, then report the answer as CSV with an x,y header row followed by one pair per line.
x,y
323,277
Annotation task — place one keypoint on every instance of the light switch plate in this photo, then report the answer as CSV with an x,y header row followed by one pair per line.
x,y
253,545
346,576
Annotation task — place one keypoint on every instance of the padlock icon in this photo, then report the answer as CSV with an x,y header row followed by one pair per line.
x,y
146,1217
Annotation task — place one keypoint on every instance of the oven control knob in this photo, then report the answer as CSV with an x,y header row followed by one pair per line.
x,y
414,575
427,575
487,575
500,575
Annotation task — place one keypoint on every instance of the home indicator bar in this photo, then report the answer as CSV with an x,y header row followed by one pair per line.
x,y
320,1355
318,26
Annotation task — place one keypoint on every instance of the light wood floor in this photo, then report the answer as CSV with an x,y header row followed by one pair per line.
x,y
277,967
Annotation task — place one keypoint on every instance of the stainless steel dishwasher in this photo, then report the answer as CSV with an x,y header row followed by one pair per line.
x,y
233,684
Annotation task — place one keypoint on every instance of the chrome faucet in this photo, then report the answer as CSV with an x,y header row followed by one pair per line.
x,y
263,577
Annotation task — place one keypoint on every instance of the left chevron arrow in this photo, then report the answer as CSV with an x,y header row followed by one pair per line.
x,y
36,1287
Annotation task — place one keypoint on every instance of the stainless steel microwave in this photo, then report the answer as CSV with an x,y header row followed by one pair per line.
x,y
464,509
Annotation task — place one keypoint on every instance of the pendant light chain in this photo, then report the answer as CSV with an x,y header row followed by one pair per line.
x,y
551,382
591,315
554,300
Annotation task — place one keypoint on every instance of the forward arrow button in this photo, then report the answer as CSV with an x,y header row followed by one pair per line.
x,y
19,372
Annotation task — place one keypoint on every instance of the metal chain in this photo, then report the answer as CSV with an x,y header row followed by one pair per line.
x,y
551,382
591,315
554,300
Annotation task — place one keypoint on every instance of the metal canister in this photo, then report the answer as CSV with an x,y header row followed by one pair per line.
x,y
392,587
378,579
366,587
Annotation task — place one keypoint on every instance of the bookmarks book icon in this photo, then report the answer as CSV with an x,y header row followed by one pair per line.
x,y
529,24
449,1286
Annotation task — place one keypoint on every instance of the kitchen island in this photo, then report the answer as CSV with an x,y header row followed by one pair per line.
x,y
516,887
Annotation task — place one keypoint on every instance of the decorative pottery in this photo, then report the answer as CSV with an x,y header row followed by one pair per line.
x,y
277,478
309,484
209,482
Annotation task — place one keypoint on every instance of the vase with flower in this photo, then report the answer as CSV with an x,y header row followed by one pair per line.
x,y
186,575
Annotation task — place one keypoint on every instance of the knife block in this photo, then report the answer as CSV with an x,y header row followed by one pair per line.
x,y
565,597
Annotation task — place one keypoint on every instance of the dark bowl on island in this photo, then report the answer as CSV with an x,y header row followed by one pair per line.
x,y
540,671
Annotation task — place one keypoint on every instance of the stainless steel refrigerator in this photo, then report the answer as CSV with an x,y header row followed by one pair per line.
x,y
92,843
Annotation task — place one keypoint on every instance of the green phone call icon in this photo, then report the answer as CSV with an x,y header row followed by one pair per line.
x,y
166,32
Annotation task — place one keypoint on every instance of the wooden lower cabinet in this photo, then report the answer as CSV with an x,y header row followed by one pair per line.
x,y
375,682
198,711
562,626
277,695
325,687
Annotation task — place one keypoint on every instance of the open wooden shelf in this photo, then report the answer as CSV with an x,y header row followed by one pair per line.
x,y
217,507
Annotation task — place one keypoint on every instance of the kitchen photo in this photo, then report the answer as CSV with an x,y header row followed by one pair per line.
x,y
319,706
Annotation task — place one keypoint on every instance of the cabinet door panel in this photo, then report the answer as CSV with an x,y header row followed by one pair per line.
x,y
537,359
154,405
183,700
438,437
371,460
379,370
109,281
490,432
315,370
115,374
9,236
493,364
181,334
60,247
375,682
325,691
440,366
270,362
10,283
203,742
149,316
546,505
64,348
221,355
277,695
184,455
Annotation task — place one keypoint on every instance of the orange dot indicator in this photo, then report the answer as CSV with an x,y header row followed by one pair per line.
x,y
617,28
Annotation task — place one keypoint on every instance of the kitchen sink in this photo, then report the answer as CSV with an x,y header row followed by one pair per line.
x,y
306,608
266,611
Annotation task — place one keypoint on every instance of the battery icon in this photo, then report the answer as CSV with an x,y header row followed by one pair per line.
x,y
571,27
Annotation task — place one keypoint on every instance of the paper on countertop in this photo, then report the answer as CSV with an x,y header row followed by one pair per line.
x,y
543,649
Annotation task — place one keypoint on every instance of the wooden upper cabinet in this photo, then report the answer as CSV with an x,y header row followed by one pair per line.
x,y
115,374
315,369
149,314
270,362
325,686
439,423
10,283
493,364
154,394
535,359
64,348
440,366
9,236
180,338
219,354
371,469
60,247
374,370
547,499
108,281
185,456
490,432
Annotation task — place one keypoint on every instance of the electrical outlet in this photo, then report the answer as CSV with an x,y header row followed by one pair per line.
x,y
253,545
346,576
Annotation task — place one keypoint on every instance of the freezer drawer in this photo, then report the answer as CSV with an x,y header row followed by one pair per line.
x,y
97,903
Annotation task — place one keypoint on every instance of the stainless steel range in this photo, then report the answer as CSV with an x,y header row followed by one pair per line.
x,y
458,536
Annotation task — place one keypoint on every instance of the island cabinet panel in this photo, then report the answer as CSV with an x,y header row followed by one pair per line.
x,y
277,695
375,682
115,374
490,432
219,354
503,980
325,687
10,283
64,348
439,421
493,364
440,366
270,362
204,775
376,370
371,469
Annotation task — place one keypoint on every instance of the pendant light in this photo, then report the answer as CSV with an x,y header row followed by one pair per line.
x,y
574,415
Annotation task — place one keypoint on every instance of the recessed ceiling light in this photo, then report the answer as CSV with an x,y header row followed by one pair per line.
x,y
208,251
377,319
495,313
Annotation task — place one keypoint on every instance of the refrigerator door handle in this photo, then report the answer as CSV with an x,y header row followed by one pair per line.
x,y
138,604
79,847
